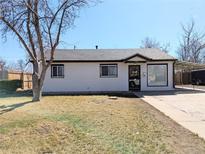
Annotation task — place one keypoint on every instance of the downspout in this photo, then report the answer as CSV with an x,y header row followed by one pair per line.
x,y
174,74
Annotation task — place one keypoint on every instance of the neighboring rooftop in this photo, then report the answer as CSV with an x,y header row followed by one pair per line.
x,y
109,54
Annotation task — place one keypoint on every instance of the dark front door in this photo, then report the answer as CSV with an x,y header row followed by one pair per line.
x,y
134,77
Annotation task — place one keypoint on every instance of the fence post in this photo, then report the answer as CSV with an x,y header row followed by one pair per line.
x,y
22,79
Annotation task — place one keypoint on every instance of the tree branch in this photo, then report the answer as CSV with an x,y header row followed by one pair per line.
x,y
38,32
29,32
19,36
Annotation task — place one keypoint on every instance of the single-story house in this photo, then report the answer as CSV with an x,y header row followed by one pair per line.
x,y
1,67
105,70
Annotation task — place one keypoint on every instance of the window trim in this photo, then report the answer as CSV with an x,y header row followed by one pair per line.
x,y
101,76
56,65
167,84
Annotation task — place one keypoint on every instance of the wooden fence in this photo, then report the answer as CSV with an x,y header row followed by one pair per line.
x,y
14,75
182,78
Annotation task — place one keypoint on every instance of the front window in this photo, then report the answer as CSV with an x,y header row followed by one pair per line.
x,y
157,75
57,71
108,70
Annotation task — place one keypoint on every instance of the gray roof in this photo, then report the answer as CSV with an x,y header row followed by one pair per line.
x,y
109,54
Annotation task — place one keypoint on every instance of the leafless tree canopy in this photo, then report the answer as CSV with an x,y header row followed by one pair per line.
x,y
192,44
152,43
38,25
20,65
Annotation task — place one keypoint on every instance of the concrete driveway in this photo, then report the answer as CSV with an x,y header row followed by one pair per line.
x,y
186,107
192,87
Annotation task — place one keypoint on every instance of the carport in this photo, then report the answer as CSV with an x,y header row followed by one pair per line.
x,y
183,71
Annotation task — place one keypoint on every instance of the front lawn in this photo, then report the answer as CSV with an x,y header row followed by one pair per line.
x,y
90,124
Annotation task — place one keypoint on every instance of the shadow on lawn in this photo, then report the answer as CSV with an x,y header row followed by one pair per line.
x,y
6,94
8,108
110,94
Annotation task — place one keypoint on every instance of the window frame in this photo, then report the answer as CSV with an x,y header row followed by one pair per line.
x,y
57,65
109,76
167,83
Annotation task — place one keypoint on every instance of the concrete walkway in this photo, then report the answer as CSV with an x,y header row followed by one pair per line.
x,y
186,107
191,87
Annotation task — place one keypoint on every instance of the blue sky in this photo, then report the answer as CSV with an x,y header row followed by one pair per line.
x,y
123,24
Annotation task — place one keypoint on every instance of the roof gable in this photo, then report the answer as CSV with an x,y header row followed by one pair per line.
x,y
136,59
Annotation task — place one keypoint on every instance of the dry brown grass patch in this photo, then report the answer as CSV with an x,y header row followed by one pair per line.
x,y
91,124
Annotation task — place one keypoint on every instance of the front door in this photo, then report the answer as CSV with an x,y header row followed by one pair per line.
x,y
134,77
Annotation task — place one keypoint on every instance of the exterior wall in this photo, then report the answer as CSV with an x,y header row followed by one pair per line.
x,y
3,75
81,77
86,77
144,85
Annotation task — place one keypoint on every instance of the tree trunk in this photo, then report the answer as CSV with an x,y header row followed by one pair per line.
x,y
37,92
38,80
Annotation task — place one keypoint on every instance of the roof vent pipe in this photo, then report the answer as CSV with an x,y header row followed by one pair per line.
x,y
96,47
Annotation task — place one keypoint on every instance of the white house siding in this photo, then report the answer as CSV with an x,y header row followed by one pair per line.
x,y
144,86
86,77
81,77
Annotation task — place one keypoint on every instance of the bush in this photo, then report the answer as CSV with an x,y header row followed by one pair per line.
x,y
10,85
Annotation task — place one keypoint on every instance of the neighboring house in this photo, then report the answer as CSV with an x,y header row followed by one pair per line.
x,y
1,67
3,72
106,70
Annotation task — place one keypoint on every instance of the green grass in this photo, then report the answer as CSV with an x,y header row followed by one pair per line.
x,y
23,123
89,124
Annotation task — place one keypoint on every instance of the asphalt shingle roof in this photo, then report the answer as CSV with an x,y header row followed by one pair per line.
x,y
108,54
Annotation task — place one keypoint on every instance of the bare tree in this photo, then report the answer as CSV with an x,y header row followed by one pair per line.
x,y
152,43
38,25
149,43
21,65
192,44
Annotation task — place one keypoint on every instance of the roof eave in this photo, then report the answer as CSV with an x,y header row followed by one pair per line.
x,y
84,61
122,60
